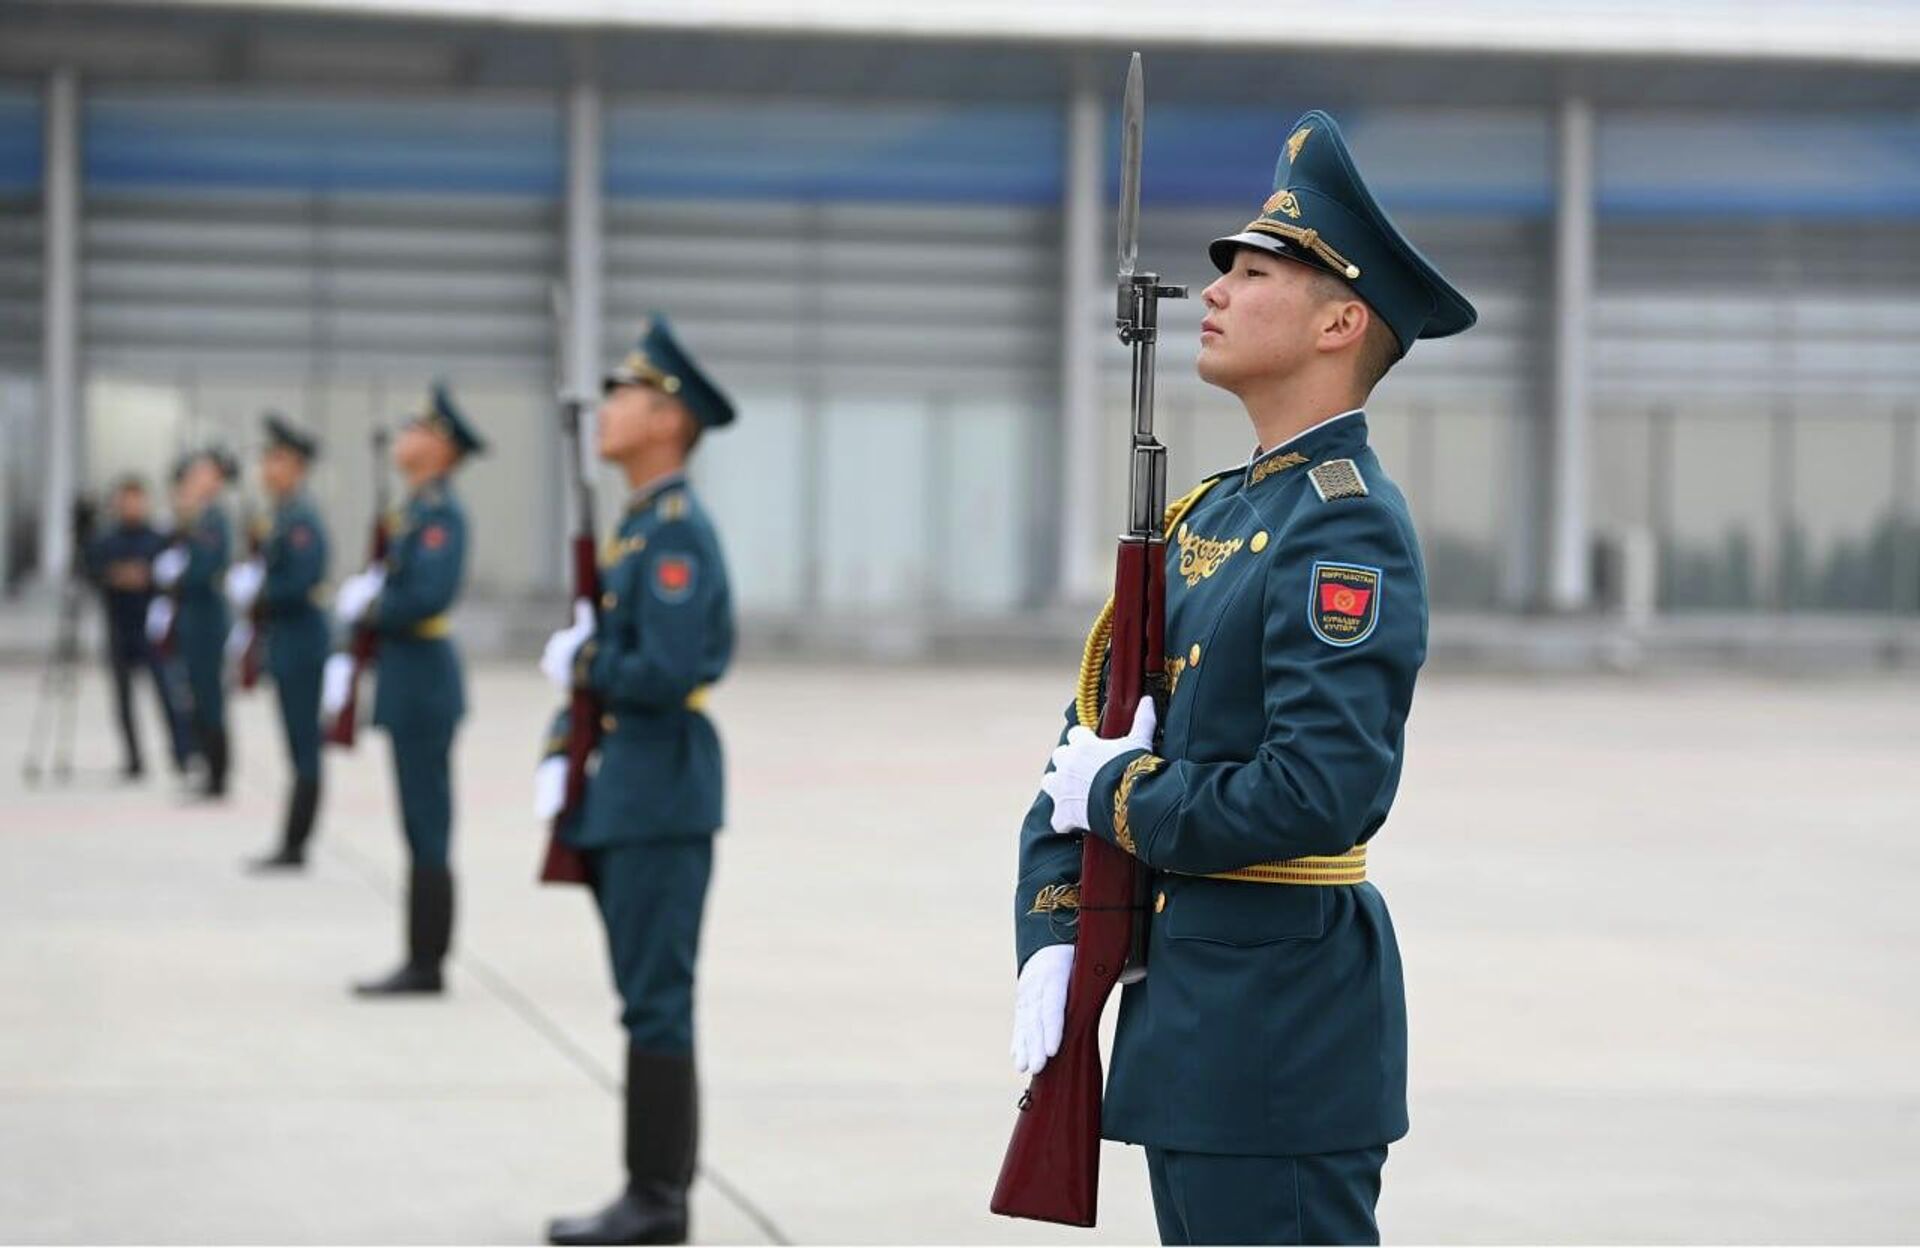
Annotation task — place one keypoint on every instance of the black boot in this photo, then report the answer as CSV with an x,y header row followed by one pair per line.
x,y
429,934
663,1140
302,805
215,741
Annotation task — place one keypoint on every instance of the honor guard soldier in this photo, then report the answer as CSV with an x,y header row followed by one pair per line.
x,y
419,698
276,592
1262,1060
191,571
121,563
664,635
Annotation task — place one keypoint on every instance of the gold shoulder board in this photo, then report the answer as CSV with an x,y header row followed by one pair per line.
x,y
1337,478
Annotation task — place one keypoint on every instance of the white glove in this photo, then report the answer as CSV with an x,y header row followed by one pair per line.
x,y
563,646
243,584
1076,763
239,637
336,681
356,594
168,565
159,620
1040,1007
549,787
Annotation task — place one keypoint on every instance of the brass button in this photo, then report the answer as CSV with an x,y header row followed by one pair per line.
x,y
608,723
1159,903
1259,541
1193,655
609,600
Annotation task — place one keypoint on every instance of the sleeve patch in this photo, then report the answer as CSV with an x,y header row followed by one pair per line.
x,y
673,577
301,537
434,536
1345,603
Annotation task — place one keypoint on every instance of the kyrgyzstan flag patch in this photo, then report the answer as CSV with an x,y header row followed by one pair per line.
x,y
1346,602
673,577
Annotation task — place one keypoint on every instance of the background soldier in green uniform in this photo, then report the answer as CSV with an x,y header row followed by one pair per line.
x,y
419,698
664,635
283,583
190,571
1262,1061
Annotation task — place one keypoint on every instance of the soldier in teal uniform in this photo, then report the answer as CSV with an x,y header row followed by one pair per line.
x,y
663,636
1262,1061
420,697
191,571
279,589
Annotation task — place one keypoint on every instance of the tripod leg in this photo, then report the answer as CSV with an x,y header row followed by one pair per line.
x,y
69,716
30,766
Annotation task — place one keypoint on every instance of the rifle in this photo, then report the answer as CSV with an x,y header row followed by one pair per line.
x,y
257,613
365,643
563,864
1052,1167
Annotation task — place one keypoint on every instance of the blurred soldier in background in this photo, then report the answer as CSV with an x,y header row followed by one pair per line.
x,y
419,698
276,592
191,570
1263,1059
121,562
663,636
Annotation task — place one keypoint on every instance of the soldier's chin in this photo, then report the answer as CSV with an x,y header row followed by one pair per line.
x,y
1214,367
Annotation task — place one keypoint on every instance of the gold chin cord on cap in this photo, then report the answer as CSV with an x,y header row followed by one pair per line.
x,y
1311,240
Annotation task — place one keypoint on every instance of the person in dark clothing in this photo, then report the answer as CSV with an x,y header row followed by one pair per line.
x,y
120,562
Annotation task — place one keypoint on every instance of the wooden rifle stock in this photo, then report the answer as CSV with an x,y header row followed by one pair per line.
x,y
364,647
564,864
1052,1168
256,618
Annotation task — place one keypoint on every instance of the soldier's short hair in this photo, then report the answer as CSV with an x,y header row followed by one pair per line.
x,y
1379,349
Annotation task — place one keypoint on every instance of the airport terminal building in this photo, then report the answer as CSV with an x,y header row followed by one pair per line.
x,y
1694,392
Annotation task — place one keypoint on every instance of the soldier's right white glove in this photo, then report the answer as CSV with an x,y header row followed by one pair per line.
x,y
1040,1007
159,620
243,584
556,661
336,681
356,594
550,787
168,565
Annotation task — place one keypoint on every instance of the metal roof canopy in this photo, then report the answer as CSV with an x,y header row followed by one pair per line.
x,y
1885,32
302,42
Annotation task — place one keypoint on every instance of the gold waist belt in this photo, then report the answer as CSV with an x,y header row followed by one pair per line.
x,y
433,626
1347,868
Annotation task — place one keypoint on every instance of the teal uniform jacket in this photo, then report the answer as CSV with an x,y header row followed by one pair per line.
x,y
1272,1020
420,690
201,630
665,634
296,640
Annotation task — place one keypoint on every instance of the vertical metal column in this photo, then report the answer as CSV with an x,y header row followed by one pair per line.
x,y
1568,580
1085,307
585,248
60,323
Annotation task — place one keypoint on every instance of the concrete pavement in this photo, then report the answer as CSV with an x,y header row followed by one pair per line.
x,y
1659,934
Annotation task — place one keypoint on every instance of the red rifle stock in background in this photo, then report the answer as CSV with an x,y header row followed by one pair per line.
x,y
1052,1167
257,613
563,863
365,643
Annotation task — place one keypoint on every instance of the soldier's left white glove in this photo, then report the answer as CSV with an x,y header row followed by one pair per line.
x,y
168,565
239,637
550,787
1077,762
563,646
159,620
243,584
1040,1007
356,594
336,681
